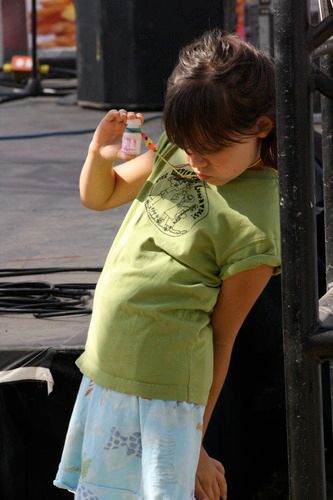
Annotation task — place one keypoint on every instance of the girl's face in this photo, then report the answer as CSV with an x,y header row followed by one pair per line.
x,y
227,163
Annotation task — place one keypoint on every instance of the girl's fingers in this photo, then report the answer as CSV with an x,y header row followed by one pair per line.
x,y
216,491
219,467
131,115
121,115
223,486
141,117
110,130
200,492
116,115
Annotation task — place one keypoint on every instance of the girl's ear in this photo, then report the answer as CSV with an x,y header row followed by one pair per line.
x,y
264,126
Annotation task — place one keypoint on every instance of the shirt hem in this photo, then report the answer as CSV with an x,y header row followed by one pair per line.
x,y
140,389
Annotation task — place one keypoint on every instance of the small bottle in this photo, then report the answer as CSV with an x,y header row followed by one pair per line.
x,y
131,141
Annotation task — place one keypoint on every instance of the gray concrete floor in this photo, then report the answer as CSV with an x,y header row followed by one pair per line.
x,y
43,223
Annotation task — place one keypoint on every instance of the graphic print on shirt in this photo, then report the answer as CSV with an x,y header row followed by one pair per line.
x,y
175,204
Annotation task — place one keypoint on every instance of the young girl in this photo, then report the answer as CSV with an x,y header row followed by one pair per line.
x,y
196,249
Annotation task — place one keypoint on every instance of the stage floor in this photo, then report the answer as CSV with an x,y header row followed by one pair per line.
x,y
43,223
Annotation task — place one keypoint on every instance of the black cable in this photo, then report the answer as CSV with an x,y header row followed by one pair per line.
x,y
64,313
42,299
38,135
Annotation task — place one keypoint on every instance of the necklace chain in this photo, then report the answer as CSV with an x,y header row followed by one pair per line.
x,y
150,145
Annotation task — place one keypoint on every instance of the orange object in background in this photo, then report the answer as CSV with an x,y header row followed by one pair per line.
x,y
240,19
55,24
21,63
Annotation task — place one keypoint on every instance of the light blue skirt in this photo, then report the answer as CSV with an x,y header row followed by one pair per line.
x,y
122,447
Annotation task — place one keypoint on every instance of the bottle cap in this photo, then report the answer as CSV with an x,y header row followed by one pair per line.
x,y
134,123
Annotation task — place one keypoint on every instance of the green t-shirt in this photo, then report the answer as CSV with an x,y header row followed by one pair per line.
x,y
150,332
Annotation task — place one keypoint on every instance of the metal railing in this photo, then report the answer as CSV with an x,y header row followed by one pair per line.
x,y
306,340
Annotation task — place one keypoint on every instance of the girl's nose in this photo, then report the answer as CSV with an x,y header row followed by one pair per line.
x,y
196,160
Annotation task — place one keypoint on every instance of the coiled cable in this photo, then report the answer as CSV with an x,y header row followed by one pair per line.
x,y
42,299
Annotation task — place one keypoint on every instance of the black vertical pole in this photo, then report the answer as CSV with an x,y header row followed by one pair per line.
x,y
326,64
34,40
299,259
34,87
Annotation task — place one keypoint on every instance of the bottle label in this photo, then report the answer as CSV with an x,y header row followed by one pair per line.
x,y
131,144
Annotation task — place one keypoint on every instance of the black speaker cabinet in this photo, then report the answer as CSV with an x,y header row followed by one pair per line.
x,y
126,49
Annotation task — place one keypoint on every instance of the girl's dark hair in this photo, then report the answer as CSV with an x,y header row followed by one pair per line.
x,y
216,93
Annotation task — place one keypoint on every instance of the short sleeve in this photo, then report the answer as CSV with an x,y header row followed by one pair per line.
x,y
260,252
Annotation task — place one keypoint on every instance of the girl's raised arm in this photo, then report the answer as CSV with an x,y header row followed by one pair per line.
x,y
103,185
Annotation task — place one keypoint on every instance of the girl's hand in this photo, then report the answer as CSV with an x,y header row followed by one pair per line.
x,y
210,483
108,135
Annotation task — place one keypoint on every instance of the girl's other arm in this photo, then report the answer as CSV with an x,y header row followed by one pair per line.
x,y
237,296
103,186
